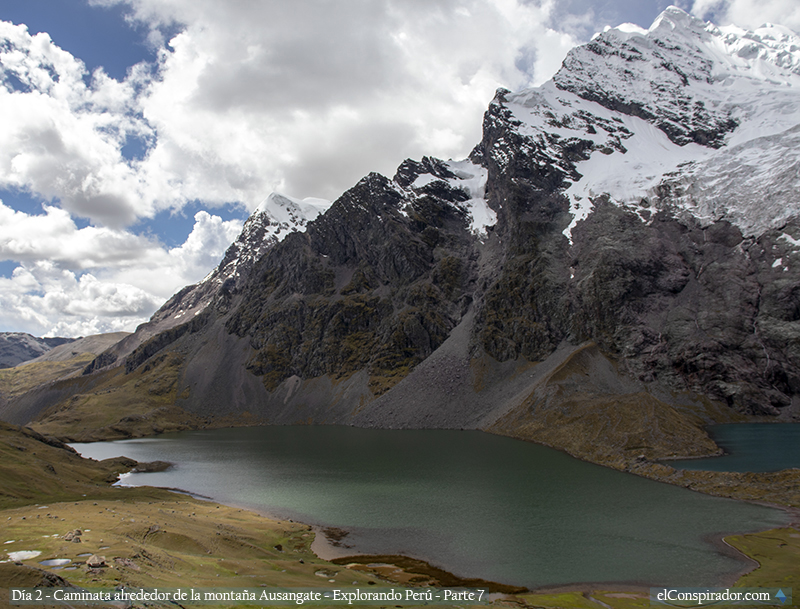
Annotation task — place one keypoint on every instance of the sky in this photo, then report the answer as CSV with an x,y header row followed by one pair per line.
x,y
136,136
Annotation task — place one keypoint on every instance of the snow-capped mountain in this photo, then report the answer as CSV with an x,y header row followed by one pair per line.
x,y
614,264
684,115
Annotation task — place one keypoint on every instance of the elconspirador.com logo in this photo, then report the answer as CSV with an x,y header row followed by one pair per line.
x,y
704,597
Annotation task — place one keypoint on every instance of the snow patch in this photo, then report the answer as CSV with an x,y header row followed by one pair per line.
x,y
789,239
469,178
631,28
755,185
423,180
283,209
472,178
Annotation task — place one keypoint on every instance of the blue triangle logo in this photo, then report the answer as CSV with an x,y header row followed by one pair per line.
x,y
781,596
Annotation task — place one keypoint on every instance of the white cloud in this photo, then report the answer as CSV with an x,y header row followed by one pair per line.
x,y
750,13
60,138
74,281
309,97
209,238
46,300
54,236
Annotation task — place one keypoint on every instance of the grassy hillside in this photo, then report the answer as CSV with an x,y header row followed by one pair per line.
x,y
120,405
16,381
36,469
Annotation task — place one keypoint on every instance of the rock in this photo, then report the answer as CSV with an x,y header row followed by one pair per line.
x,y
96,562
126,562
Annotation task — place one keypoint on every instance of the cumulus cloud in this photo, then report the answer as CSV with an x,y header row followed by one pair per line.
x,y
750,13
54,236
308,97
61,138
73,281
43,299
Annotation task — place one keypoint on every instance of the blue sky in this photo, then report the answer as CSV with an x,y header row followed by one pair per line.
x,y
100,36
139,134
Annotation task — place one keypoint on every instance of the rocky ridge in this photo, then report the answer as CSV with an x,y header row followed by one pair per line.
x,y
270,222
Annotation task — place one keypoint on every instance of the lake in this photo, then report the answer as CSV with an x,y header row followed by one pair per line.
x,y
475,504
751,447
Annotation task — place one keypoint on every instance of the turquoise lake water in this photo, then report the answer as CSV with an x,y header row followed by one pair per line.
x,y
751,447
475,504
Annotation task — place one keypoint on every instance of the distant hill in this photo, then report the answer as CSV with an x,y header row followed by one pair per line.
x,y
97,343
27,388
18,347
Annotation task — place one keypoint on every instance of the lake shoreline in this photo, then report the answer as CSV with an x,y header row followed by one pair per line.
x,y
329,550
182,512
327,547
386,536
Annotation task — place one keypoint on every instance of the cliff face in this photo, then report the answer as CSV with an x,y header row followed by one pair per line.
x,y
373,285
579,266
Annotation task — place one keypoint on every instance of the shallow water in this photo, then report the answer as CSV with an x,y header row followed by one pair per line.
x,y
23,555
476,504
55,562
751,447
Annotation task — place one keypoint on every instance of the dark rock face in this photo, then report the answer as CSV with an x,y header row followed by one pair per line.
x,y
684,306
370,285
379,282
681,305
381,279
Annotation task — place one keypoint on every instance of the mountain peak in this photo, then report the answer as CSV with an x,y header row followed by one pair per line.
x,y
285,209
683,115
675,18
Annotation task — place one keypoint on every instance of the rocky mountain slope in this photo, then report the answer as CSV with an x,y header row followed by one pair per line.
x,y
614,265
273,219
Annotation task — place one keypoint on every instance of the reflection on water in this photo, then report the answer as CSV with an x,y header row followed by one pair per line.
x,y
476,504
55,562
